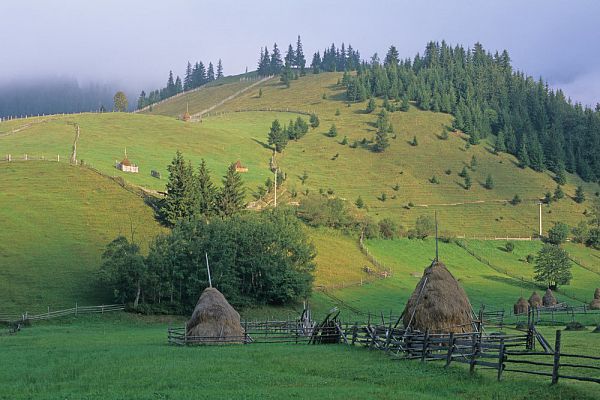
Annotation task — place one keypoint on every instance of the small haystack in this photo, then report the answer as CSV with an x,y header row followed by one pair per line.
x,y
595,304
214,320
438,303
535,301
549,300
521,306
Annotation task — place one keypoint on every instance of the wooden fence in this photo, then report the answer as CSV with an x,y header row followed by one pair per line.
x,y
77,310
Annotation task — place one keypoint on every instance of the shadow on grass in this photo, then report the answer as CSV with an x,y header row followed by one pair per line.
x,y
511,281
263,144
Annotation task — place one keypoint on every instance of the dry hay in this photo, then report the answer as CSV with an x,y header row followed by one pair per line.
x,y
595,304
521,306
535,301
549,300
438,303
214,320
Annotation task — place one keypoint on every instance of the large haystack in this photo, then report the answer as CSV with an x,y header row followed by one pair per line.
x,y
521,306
214,320
535,301
595,304
549,300
438,303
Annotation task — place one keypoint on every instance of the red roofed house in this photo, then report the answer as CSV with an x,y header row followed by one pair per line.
x,y
127,166
239,167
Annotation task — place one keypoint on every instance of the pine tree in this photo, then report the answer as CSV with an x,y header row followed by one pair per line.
x,y
371,105
499,146
523,156
316,63
206,192
404,106
277,137
558,193
299,59
290,57
171,85
468,182
414,141
210,73
276,63
489,182
187,79
314,120
579,195
392,56
178,85
180,200
142,100
230,199
359,202
220,69
332,131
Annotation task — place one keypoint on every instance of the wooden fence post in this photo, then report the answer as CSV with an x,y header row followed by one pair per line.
x,y
425,345
450,349
474,353
501,359
354,333
556,358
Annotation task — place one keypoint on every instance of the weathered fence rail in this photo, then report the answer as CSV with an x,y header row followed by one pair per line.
x,y
77,310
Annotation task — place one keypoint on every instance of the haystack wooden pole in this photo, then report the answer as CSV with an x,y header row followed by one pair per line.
x,y
556,358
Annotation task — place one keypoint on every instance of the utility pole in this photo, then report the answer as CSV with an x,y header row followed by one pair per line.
x,y
275,185
540,204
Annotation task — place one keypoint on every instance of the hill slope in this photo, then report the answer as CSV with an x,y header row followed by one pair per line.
x,y
56,220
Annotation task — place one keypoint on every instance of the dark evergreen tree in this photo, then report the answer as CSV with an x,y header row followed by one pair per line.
x,y
230,198
206,192
316,63
299,59
276,63
579,195
220,69
181,198
277,137
392,57
187,79
210,73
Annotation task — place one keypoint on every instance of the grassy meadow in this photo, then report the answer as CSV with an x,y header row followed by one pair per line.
x,y
56,220
123,356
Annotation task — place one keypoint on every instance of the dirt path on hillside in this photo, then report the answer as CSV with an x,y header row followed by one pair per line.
x,y
26,126
198,116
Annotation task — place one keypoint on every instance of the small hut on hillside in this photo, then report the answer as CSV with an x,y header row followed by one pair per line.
x,y
239,167
214,320
438,303
521,306
126,166
549,300
535,301
595,304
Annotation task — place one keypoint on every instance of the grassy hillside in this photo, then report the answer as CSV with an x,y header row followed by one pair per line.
x,y
483,284
199,100
114,359
360,172
56,220
152,140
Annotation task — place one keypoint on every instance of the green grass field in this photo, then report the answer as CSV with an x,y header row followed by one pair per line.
x,y
56,220
484,285
122,356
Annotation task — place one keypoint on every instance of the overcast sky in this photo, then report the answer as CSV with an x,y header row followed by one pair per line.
x,y
136,42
